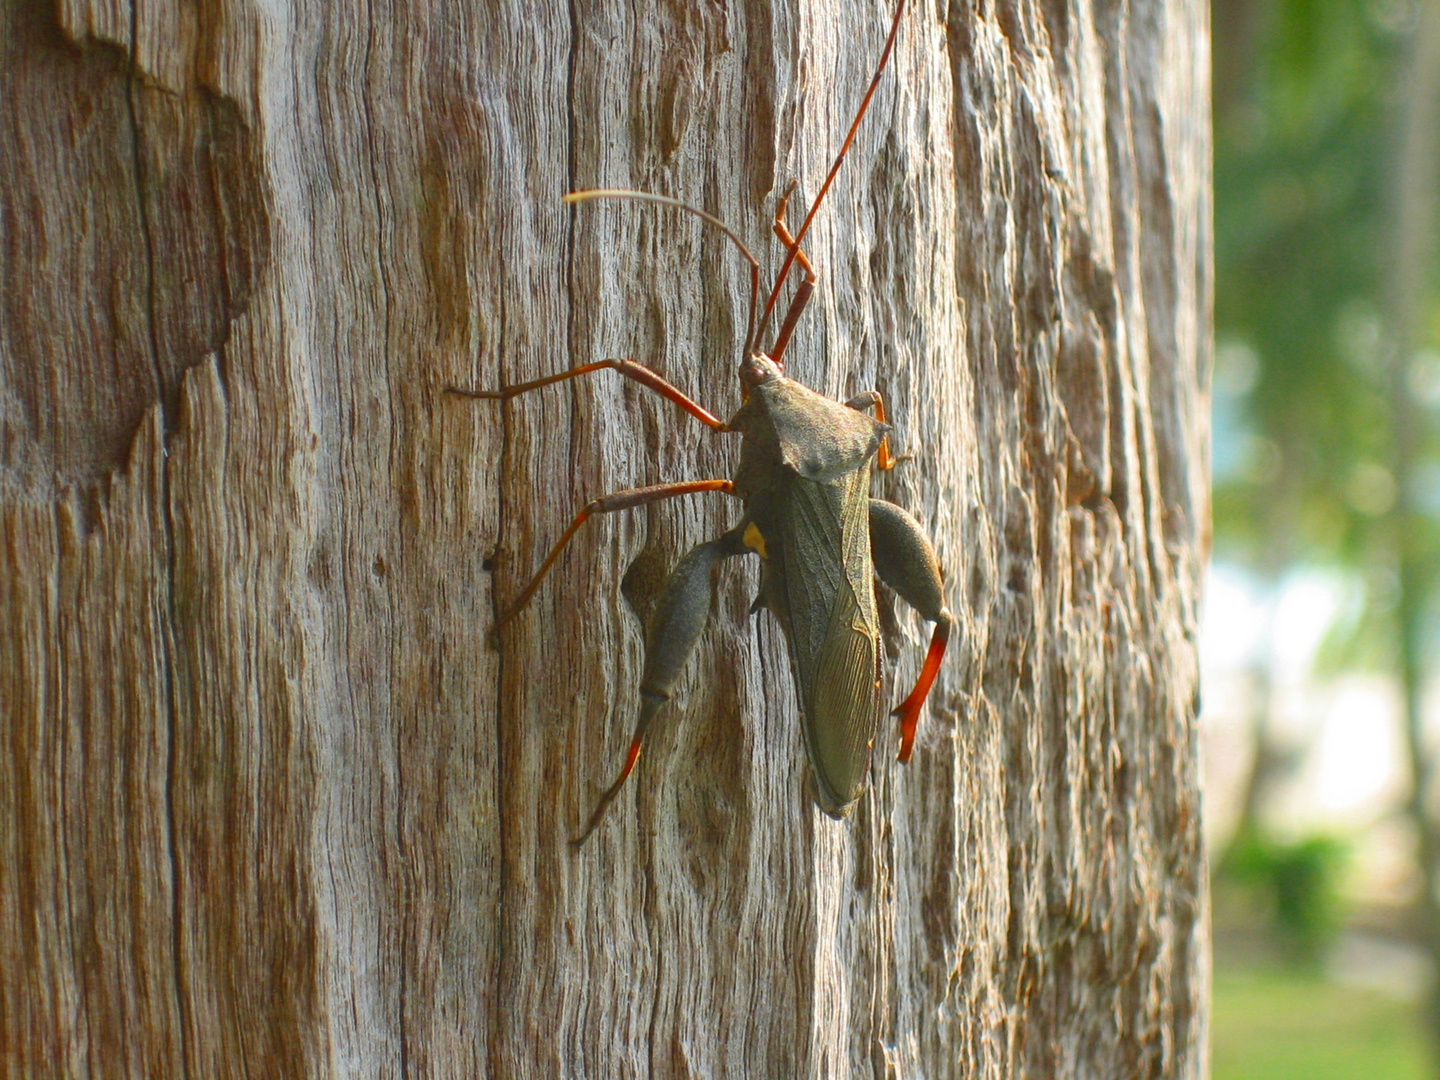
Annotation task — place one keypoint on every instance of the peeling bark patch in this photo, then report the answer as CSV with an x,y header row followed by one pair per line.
x,y
127,247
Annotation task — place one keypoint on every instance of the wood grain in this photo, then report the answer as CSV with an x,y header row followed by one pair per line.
x,y
272,806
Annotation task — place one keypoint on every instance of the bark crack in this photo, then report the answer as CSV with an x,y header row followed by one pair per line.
x,y
386,294
167,630
67,884
497,1013
574,387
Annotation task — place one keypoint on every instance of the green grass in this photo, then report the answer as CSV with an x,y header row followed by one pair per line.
x,y
1278,1025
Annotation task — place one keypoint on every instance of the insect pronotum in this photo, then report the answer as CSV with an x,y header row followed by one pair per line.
x,y
804,479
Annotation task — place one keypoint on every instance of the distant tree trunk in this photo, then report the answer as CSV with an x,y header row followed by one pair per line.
x,y
1415,559
271,805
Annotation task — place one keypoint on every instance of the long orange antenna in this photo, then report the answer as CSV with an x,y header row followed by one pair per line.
x,y
711,219
835,168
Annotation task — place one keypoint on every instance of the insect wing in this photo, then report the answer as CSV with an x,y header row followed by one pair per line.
x,y
827,602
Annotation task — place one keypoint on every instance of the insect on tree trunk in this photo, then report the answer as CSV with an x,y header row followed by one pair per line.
x,y
270,802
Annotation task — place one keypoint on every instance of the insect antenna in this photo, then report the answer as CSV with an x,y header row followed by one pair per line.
x,y
830,178
711,219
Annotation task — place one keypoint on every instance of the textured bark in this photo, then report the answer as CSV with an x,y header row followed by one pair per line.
x,y
270,805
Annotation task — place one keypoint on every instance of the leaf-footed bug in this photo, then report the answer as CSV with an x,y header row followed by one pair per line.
x,y
804,479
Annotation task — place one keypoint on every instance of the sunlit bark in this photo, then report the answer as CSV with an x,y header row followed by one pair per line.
x,y
272,805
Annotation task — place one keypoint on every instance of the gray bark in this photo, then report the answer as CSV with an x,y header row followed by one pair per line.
x,y
271,805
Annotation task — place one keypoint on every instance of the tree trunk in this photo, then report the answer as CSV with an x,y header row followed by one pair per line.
x,y
271,804
1413,259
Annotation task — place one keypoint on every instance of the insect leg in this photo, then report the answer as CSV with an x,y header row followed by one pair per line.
x,y
606,504
783,231
905,561
674,629
629,368
834,169
805,288
871,398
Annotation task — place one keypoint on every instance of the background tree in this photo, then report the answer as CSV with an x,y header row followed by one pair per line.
x,y
270,802
1414,522
1328,318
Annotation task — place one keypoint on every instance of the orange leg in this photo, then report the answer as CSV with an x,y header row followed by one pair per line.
x,y
793,256
606,799
783,232
620,500
872,399
631,370
905,560
909,709
806,287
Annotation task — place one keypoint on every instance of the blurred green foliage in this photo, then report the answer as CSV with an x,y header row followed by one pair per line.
x,y
1295,888
1315,375
1306,130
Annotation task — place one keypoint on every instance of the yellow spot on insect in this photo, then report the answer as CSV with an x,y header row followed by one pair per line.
x,y
752,539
